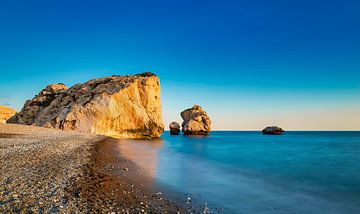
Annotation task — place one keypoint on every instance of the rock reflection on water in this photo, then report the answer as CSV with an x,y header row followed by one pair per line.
x,y
144,153
165,170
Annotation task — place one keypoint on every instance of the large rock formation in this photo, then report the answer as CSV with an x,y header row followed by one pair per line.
x,y
119,106
273,130
6,113
174,128
196,121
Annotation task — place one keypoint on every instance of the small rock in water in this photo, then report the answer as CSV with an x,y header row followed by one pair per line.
x,y
196,121
174,128
273,130
206,210
188,200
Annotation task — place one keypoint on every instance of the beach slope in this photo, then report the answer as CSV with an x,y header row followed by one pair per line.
x,y
46,170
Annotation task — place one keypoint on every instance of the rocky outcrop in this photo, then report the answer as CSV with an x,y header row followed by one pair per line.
x,y
174,128
6,113
273,130
34,108
118,106
196,121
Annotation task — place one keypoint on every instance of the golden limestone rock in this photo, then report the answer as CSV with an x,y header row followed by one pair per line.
x,y
196,121
118,106
6,113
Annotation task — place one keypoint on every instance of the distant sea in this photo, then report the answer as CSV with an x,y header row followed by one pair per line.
x,y
247,172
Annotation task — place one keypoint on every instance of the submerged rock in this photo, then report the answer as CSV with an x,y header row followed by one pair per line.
x,y
6,113
273,130
174,128
196,121
119,106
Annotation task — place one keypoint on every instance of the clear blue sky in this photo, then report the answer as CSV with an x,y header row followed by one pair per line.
x,y
248,63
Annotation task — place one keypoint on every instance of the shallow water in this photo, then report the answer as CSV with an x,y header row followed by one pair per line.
x,y
247,172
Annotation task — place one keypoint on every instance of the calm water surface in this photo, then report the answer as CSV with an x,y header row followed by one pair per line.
x,y
247,172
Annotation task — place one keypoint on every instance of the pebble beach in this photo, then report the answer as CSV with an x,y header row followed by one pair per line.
x,y
52,171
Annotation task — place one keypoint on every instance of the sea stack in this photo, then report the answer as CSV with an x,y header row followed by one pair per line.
x,y
174,128
118,106
6,113
196,121
273,130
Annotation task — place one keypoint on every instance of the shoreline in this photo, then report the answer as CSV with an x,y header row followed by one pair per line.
x,y
124,187
45,170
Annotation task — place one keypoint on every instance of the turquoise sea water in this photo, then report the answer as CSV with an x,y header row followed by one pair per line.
x,y
247,172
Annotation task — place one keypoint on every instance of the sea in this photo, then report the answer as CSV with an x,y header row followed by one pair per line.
x,y
247,172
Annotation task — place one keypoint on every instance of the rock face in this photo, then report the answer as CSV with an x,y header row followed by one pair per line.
x,y
174,128
118,106
273,130
196,121
6,113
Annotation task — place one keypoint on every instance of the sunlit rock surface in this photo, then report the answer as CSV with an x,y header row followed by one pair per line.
x,y
118,106
6,113
196,121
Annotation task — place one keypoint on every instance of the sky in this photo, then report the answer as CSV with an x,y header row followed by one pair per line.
x,y
248,63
